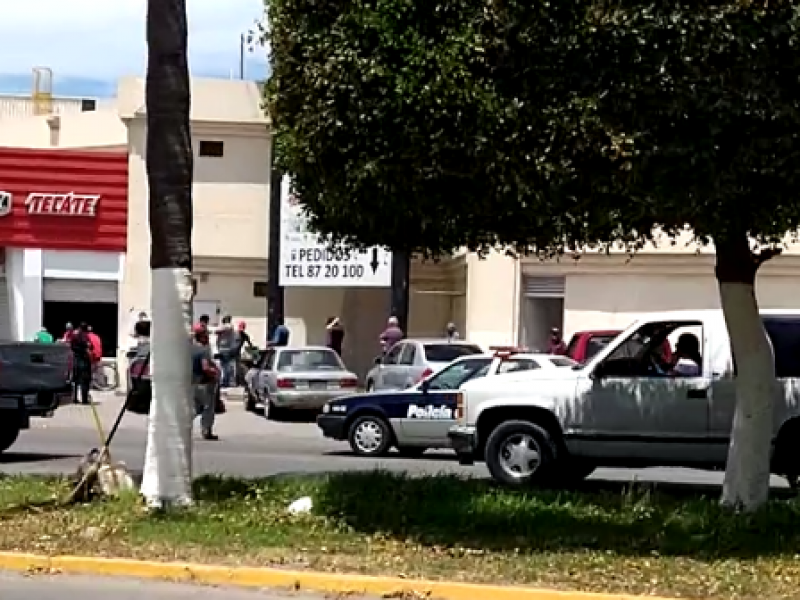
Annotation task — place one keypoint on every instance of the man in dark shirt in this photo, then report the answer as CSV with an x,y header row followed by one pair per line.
x,y
335,335
227,345
81,364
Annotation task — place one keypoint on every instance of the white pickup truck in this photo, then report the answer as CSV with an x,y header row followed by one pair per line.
x,y
630,405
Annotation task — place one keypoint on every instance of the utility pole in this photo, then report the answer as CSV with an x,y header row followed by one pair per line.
x,y
241,56
401,269
275,291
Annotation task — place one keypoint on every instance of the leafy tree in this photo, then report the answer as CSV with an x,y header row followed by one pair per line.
x,y
169,162
553,126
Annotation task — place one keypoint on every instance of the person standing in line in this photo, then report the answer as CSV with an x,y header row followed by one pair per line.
x,y
335,335
81,364
204,321
69,331
226,348
43,337
205,377
451,332
556,345
96,349
280,337
391,335
243,343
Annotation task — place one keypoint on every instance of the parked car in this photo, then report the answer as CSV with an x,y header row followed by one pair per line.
x,y
585,344
419,417
34,382
625,407
410,361
288,378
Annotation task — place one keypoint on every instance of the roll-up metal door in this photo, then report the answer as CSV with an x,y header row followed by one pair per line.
x,y
543,287
5,312
79,290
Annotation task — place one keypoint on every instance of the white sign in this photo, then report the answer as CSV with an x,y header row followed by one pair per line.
x,y
67,205
6,203
306,260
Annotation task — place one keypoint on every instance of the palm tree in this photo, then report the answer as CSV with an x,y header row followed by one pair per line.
x,y
168,459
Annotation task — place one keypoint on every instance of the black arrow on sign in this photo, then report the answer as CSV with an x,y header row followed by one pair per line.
x,y
374,262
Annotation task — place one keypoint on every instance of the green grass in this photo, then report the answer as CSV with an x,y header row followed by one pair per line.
x,y
613,539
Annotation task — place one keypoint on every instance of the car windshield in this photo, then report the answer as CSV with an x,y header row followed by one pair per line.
x,y
455,375
309,360
563,361
446,353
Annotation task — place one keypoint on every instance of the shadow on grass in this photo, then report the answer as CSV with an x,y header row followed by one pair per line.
x,y
454,512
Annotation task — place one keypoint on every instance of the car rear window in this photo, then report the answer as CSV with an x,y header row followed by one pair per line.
x,y
784,333
563,361
309,360
449,352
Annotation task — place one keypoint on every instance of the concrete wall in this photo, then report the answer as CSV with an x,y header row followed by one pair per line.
x,y
90,129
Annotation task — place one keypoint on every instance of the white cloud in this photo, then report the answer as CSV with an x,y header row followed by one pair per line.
x,y
104,39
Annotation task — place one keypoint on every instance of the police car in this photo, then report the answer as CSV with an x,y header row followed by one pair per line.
x,y
418,418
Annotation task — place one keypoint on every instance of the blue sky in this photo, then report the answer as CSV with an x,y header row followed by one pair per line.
x,y
89,44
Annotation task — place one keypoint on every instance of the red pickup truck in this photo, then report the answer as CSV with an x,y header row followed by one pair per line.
x,y
585,344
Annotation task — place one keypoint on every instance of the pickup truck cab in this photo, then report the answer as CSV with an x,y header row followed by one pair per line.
x,y
626,407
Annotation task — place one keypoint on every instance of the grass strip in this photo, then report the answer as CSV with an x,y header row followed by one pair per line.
x,y
613,539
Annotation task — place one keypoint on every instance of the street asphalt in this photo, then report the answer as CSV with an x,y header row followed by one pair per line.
x,y
67,587
250,446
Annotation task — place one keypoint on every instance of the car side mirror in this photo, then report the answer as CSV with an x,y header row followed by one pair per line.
x,y
425,386
378,360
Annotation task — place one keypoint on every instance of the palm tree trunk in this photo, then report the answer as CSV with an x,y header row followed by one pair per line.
x,y
168,459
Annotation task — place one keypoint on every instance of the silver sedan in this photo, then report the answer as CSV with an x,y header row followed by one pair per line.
x,y
304,378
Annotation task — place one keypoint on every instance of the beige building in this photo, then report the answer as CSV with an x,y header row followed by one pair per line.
x,y
493,301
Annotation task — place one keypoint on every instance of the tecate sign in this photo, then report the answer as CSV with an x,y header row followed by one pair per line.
x,y
65,205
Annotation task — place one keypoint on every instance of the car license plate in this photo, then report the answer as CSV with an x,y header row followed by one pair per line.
x,y
318,385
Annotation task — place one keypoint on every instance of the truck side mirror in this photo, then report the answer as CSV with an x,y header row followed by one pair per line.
x,y
599,371
378,360
425,386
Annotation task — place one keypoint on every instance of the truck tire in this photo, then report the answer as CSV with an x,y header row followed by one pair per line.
x,y
9,432
520,453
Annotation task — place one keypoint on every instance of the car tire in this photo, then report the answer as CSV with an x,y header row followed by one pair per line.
x,y
411,451
520,453
250,400
370,435
272,412
9,432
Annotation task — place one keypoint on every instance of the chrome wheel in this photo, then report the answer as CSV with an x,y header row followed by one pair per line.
x,y
369,436
520,456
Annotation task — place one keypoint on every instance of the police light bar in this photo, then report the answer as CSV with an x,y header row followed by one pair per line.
x,y
506,351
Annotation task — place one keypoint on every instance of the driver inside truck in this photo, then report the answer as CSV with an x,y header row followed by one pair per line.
x,y
687,359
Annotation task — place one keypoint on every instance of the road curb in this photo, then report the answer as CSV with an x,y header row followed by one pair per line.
x,y
253,577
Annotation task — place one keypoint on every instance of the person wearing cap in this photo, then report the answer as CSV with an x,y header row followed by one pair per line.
x,y
556,345
205,376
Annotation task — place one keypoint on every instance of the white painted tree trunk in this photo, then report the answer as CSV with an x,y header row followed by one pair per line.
x,y
746,484
168,458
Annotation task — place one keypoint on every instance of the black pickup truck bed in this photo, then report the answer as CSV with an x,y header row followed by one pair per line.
x,y
34,380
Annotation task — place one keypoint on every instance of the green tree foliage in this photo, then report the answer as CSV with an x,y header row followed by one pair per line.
x,y
444,123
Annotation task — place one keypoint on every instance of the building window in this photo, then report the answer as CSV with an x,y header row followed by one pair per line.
x,y
260,289
211,149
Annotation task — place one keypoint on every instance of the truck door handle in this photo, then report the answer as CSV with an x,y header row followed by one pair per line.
x,y
699,393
